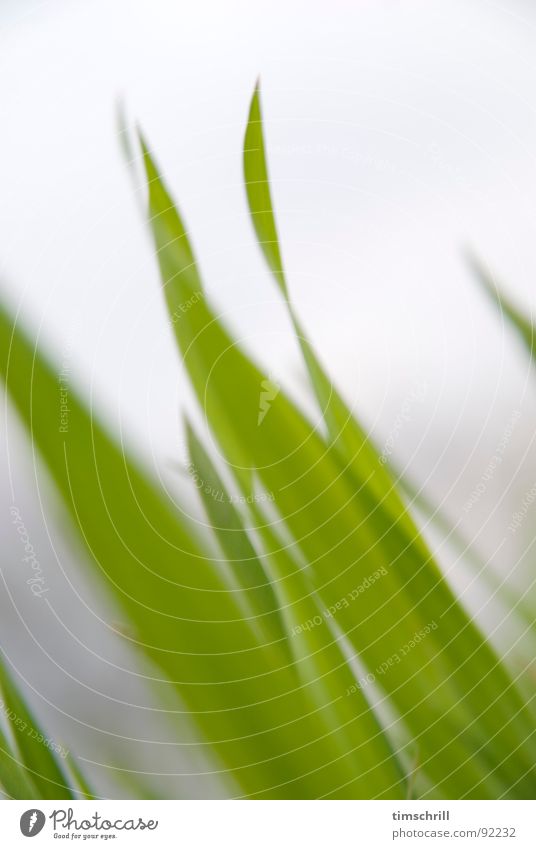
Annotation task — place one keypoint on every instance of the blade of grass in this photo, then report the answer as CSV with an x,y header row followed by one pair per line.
x,y
453,535
355,448
449,682
47,775
345,433
13,778
240,692
358,746
357,737
523,325
84,789
252,583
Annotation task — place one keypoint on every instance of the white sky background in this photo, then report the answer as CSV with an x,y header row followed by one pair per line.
x,y
398,132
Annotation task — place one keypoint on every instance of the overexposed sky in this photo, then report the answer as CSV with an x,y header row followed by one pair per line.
x,y
397,133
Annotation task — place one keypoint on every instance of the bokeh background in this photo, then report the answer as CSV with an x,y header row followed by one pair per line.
x,y
400,134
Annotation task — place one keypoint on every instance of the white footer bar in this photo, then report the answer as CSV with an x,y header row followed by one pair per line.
x,y
270,824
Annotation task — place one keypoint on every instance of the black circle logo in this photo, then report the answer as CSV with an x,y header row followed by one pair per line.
x,y
31,822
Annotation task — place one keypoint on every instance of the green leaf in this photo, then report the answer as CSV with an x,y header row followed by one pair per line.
x,y
523,325
471,726
252,585
13,778
357,743
357,738
235,387
258,192
239,691
46,774
355,449
500,590
84,789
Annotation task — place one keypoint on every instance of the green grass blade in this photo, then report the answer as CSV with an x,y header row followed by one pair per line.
x,y
46,774
470,724
238,691
345,433
355,449
518,320
358,746
84,789
357,737
258,192
181,280
467,552
252,584
180,609
15,781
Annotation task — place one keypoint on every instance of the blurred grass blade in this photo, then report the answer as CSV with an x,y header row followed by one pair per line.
x,y
234,388
82,784
14,780
355,448
473,730
357,744
514,315
358,741
238,691
258,192
46,773
357,452
452,534
184,294
253,586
